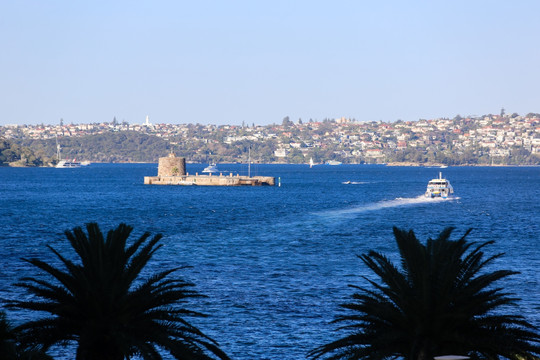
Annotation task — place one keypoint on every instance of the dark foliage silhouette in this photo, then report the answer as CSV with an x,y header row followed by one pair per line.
x,y
442,300
102,304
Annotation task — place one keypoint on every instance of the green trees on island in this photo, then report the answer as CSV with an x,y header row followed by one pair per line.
x,y
101,303
443,300
16,155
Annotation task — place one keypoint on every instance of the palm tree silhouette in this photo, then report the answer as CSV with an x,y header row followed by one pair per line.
x,y
7,339
102,304
11,349
441,301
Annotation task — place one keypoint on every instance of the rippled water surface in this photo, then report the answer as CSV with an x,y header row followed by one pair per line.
x,y
274,262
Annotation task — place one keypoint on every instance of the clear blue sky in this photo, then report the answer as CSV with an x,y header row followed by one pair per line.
x,y
224,62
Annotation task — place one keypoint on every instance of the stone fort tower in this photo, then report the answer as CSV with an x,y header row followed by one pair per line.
x,y
172,165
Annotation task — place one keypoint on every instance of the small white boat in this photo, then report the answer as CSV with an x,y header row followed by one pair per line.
x,y
311,163
210,169
333,162
439,187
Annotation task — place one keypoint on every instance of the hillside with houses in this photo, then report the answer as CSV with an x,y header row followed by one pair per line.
x,y
480,140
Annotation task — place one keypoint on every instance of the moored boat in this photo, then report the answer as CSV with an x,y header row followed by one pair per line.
x,y
210,169
333,162
439,187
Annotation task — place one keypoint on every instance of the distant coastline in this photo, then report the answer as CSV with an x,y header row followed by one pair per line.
x,y
488,140
459,165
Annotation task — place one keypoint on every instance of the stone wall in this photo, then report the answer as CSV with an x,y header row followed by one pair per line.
x,y
209,180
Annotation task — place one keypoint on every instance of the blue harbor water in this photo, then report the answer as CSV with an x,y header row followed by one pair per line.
x,y
274,262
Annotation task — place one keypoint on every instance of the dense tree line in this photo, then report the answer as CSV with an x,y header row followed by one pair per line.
x,y
110,147
16,155
132,146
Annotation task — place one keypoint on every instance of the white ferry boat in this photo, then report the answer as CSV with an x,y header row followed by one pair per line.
x,y
65,164
439,188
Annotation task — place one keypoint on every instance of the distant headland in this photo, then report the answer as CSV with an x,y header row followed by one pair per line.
x,y
502,139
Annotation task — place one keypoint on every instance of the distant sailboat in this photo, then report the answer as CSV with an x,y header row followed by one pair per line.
x,y
311,162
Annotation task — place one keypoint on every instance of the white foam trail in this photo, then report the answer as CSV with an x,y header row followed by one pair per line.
x,y
384,205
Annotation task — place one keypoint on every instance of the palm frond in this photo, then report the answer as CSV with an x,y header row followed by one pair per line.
x,y
102,303
441,300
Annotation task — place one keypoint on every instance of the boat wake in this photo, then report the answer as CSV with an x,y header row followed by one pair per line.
x,y
385,204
